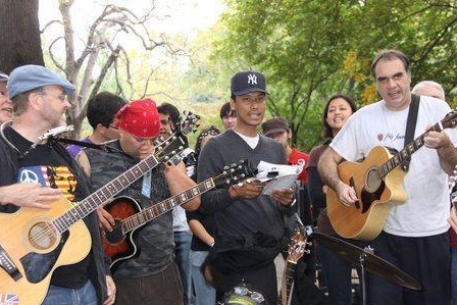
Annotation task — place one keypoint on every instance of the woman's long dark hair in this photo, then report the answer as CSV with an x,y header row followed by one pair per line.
x,y
328,132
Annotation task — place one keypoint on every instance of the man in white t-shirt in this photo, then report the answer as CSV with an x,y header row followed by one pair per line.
x,y
415,235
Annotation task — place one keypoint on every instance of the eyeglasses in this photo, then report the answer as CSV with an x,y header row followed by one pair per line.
x,y
60,97
113,126
249,100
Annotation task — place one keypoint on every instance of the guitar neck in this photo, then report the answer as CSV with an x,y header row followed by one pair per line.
x,y
286,291
137,220
406,152
93,201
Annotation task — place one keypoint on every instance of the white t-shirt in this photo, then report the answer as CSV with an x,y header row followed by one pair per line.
x,y
426,210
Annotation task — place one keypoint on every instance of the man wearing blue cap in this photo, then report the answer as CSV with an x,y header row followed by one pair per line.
x,y
250,228
36,173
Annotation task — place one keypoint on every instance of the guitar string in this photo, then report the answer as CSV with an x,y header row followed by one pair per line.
x,y
49,232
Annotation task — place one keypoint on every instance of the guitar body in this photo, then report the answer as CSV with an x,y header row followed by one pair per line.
x,y
119,246
366,218
31,243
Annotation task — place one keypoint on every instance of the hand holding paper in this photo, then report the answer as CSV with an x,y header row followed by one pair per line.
x,y
277,176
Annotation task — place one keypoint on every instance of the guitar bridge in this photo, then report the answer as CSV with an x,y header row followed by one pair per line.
x,y
7,264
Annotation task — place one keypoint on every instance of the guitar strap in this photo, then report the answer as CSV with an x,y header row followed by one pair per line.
x,y
103,147
411,126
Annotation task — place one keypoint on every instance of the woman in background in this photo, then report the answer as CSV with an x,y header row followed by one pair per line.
x,y
337,271
202,227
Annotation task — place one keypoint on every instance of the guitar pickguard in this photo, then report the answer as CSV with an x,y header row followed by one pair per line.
x,y
37,266
368,198
116,236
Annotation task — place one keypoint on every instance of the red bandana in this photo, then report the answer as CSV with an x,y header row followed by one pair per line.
x,y
140,118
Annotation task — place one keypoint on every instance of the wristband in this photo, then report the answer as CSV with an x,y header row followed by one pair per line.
x,y
290,205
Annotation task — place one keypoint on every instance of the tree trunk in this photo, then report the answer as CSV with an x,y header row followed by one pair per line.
x,y
20,40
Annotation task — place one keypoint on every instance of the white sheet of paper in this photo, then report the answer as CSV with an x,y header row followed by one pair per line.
x,y
280,183
280,176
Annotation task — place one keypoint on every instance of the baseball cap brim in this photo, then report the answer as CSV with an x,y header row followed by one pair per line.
x,y
274,130
249,90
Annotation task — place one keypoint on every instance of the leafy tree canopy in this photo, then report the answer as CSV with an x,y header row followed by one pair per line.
x,y
310,50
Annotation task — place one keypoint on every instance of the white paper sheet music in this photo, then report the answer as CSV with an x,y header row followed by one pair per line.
x,y
280,176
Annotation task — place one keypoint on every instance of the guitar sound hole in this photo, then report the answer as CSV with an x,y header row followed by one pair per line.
x,y
42,236
373,181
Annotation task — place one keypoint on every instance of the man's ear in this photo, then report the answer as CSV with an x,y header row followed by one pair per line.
x,y
101,129
34,100
232,105
289,133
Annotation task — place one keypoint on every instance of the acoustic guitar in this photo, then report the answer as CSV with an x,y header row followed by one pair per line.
x,y
120,243
34,242
378,183
297,248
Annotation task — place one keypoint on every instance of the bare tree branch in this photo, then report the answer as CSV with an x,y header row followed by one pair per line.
x,y
49,24
111,59
51,53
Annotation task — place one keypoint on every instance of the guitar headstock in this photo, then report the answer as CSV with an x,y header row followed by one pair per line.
x,y
188,123
234,173
449,121
172,146
297,245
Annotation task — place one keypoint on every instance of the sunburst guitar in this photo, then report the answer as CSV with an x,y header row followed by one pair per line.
x,y
120,243
378,183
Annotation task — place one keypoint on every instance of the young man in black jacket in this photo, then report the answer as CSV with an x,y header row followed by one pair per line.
x,y
250,231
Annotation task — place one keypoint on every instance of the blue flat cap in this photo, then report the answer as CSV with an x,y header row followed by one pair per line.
x,y
29,77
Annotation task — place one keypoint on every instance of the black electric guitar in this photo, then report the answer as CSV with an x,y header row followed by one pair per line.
x,y
120,243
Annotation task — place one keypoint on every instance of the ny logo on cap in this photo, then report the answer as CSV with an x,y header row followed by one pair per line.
x,y
252,79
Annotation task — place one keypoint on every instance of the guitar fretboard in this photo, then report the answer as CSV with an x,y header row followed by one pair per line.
x,y
90,203
137,220
405,153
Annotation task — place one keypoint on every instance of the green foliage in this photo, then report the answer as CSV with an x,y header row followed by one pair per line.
x,y
310,50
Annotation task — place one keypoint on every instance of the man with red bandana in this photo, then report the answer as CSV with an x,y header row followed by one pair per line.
x,y
152,276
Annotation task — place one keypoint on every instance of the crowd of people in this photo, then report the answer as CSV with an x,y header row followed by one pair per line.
x,y
222,247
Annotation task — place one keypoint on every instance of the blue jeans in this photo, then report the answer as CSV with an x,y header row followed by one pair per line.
x,y
454,276
204,293
183,240
337,275
65,296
